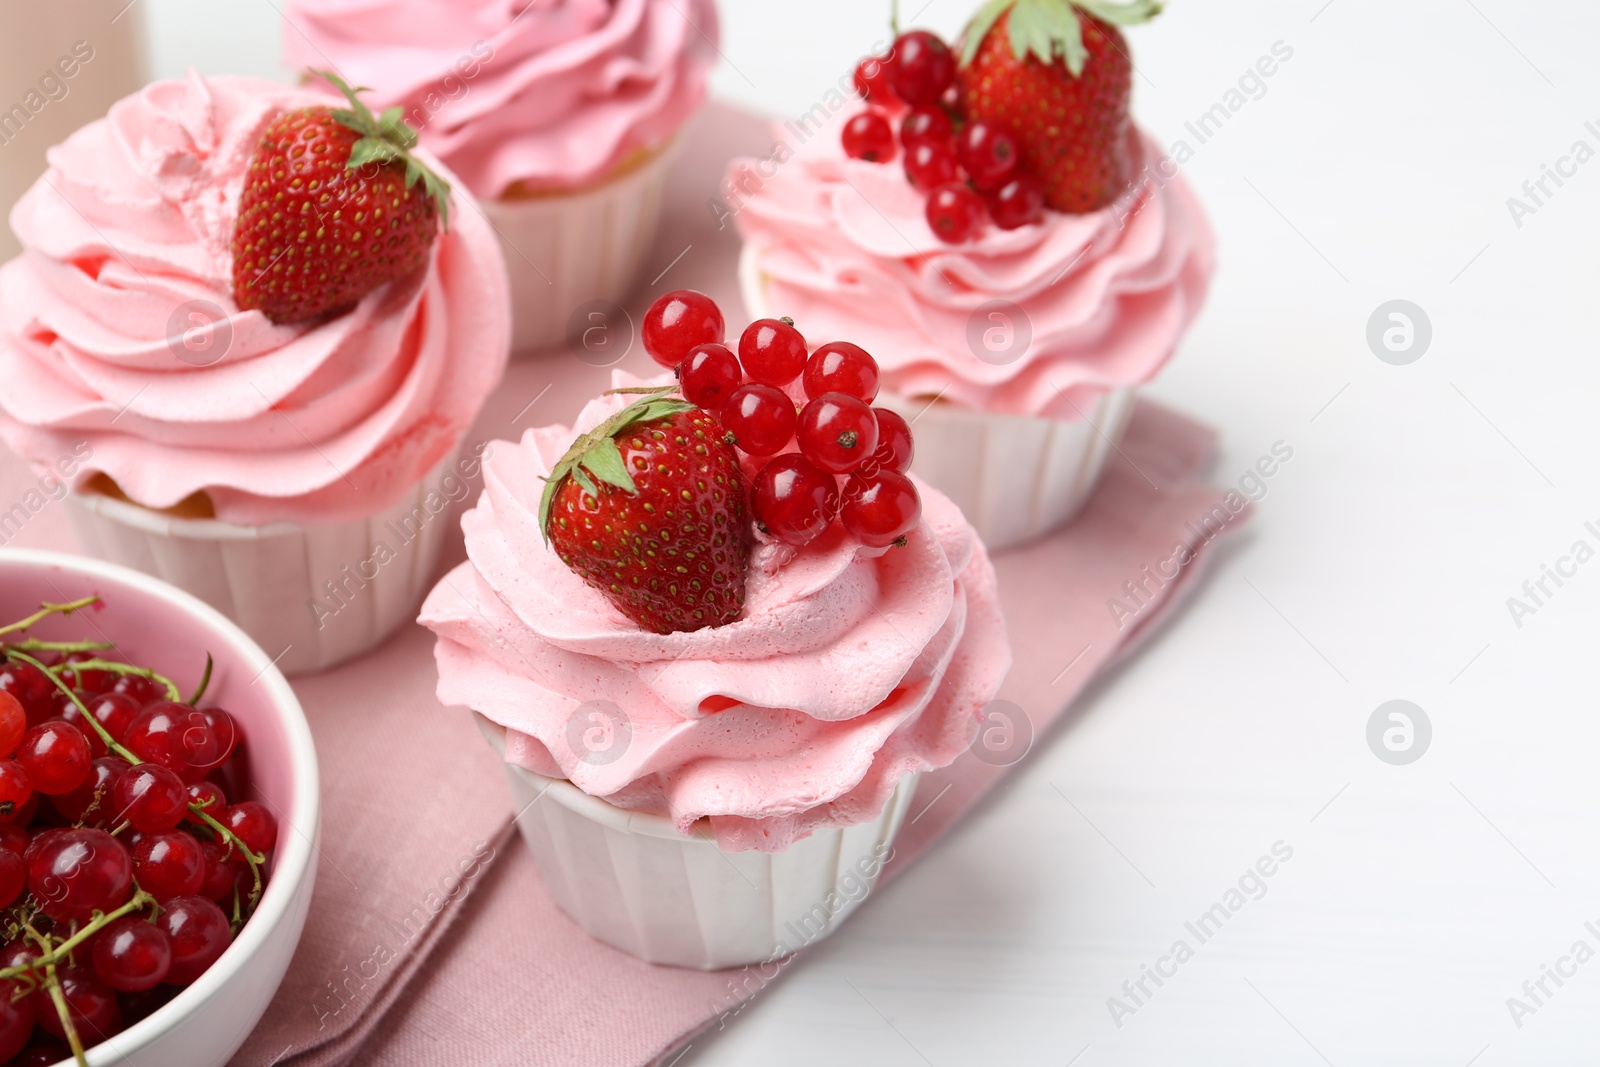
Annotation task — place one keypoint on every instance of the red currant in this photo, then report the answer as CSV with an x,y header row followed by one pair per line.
x,y
169,864
988,154
181,738
150,797
13,879
929,166
1017,203
894,443
223,729
226,872
923,68
837,432
23,816
678,322
13,723
773,352
56,756
15,787
142,689
881,509
92,802
91,681
113,711
211,800
91,1006
253,824
74,873
761,419
841,367
793,499
868,136
16,1020
928,124
873,80
41,1052
30,686
708,375
15,838
132,955
956,213
199,934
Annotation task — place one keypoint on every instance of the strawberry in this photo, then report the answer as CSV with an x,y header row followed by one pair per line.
x,y
649,508
334,207
1057,74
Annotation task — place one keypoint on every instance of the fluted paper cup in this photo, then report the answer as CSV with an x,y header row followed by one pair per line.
x,y
567,250
312,596
634,882
1015,477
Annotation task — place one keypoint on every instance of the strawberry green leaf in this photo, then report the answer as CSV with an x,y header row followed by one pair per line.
x,y
372,150
972,37
604,461
580,476
1129,14
1048,29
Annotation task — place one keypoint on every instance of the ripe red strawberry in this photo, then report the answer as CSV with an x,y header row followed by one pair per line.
x,y
332,210
649,508
1057,73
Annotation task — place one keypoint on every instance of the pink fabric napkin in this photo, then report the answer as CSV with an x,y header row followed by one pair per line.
x,y
431,939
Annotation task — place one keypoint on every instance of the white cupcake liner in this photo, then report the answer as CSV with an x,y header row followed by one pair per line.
x,y
269,579
636,883
565,250
1015,477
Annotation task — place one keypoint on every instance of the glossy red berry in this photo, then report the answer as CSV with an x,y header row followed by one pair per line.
x,y
226,873
114,712
678,322
793,499
761,419
91,1005
868,136
56,756
93,682
894,450
841,367
13,879
13,723
199,935
74,873
93,802
928,124
41,1051
31,688
988,154
169,864
923,68
253,824
15,838
956,213
837,432
709,374
880,509
1017,203
15,788
929,166
132,955
211,800
178,737
150,797
873,81
773,352
143,690
16,1020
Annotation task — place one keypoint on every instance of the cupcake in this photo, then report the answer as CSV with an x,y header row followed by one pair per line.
x,y
712,708
254,428
992,226
562,117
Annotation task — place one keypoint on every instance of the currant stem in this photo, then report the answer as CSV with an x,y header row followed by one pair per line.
x,y
46,610
122,668
894,17
205,681
33,644
111,745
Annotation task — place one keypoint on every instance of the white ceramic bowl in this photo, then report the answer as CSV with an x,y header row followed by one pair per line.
x,y
153,623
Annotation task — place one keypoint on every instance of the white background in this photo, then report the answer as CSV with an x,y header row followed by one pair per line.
x,y
1376,166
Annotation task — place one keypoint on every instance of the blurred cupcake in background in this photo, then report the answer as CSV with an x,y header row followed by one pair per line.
x,y
561,116
991,225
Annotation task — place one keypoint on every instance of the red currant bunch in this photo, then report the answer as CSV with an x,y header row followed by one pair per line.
x,y
120,854
969,171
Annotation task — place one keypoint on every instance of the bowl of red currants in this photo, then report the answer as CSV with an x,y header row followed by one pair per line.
x,y
158,820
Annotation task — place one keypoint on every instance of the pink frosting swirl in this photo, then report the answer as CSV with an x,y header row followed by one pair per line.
x,y
543,94
316,423
844,247
848,669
